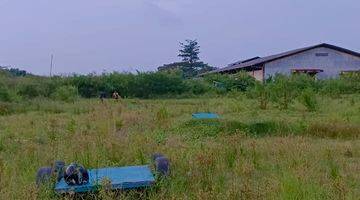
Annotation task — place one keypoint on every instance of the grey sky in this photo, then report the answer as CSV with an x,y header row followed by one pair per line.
x,y
125,35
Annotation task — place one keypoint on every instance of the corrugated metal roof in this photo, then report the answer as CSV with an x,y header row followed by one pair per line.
x,y
259,61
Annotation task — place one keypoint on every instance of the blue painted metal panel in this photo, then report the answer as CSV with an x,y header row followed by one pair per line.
x,y
130,177
203,115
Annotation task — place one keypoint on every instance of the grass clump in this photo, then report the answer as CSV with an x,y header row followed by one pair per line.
x,y
333,130
215,127
162,117
294,188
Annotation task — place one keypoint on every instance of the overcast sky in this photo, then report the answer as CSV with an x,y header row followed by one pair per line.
x,y
128,35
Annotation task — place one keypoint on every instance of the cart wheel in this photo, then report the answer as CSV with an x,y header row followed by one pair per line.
x,y
162,164
156,155
43,175
58,169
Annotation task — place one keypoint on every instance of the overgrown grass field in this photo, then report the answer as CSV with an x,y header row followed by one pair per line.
x,y
249,153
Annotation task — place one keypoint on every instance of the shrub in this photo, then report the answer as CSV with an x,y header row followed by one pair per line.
x,y
123,83
5,94
197,86
243,81
308,99
262,94
29,90
5,108
353,82
240,81
152,84
87,85
333,87
339,86
282,90
303,81
66,93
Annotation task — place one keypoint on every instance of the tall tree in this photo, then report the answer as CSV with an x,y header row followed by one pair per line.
x,y
189,51
190,65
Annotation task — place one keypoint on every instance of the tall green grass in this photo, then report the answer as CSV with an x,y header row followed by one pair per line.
x,y
249,153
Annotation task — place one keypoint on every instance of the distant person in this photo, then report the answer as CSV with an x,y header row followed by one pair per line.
x,y
102,96
115,95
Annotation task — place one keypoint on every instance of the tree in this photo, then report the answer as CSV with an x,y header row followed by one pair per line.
x,y
14,71
191,65
189,52
17,72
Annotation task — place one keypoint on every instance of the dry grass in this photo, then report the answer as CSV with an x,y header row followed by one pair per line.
x,y
302,155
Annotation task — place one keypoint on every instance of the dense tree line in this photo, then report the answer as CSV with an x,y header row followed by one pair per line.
x,y
166,84
140,85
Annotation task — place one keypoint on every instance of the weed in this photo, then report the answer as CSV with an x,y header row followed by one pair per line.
x,y
119,124
230,156
262,128
141,157
294,188
162,116
333,130
160,137
6,108
71,126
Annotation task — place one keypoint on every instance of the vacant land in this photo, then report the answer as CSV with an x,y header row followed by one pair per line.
x,y
248,154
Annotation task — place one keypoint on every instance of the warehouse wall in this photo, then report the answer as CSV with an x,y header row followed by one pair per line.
x,y
332,64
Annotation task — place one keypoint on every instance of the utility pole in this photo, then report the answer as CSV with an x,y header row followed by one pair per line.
x,y
51,64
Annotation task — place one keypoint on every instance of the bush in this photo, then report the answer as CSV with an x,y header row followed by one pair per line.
x,y
30,90
152,84
303,81
197,86
333,87
240,81
346,84
32,87
88,85
5,108
5,94
66,93
262,93
282,90
243,81
308,99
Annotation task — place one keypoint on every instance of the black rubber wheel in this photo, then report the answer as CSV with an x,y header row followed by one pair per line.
x,y
43,175
58,169
156,155
162,164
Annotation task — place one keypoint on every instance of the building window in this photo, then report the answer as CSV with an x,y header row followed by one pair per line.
x,y
311,72
350,72
321,54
